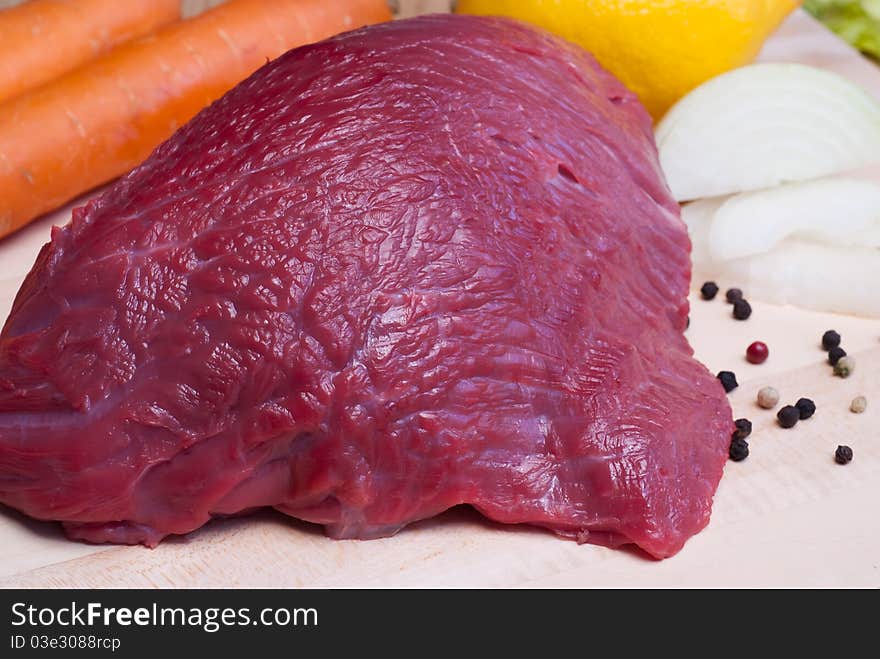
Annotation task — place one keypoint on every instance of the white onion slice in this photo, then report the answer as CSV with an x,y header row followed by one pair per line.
x,y
763,125
808,275
698,216
835,212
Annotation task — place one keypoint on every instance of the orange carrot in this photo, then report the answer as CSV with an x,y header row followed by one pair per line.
x,y
99,121
41,39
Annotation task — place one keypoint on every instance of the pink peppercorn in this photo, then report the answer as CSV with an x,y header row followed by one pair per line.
x,y
757,353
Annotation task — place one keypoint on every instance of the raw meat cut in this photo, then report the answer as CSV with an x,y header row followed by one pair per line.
x,y
417,265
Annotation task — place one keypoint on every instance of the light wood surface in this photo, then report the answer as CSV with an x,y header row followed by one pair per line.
x,y
787,516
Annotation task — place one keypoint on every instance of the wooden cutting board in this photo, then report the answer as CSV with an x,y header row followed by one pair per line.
x,y
787,516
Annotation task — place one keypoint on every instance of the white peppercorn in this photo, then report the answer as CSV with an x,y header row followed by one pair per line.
x,y
768,397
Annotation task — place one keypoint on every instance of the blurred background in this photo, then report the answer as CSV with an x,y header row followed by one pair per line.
x,y
403,7
857,21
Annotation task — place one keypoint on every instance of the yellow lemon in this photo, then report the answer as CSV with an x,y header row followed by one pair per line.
x,y
661,49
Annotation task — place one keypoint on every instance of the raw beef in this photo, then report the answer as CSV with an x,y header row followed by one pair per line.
x,y
417,265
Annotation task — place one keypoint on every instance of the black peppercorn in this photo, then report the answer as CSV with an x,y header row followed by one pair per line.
x,y
733,294
835,354
788,416
728,380
806,408
739,450
709,290
843,455
742,309
830,339
743,429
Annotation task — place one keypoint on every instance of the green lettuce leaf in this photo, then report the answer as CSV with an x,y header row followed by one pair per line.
x,y
857,21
